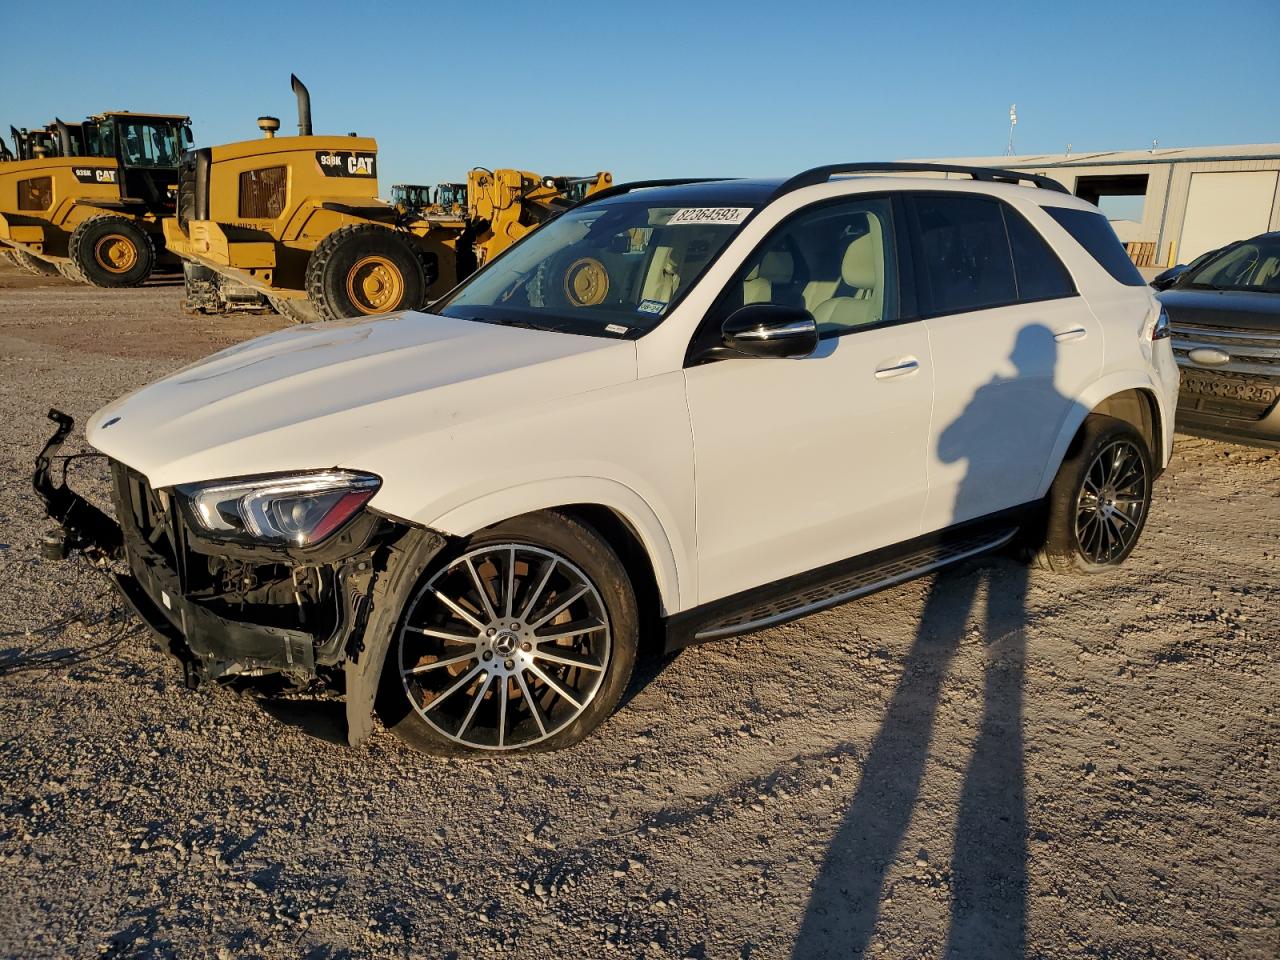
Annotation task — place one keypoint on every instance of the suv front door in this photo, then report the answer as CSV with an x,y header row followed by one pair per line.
x,y
800,463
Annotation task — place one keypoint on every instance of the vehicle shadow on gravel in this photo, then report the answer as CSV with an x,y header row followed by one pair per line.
x,y
988,867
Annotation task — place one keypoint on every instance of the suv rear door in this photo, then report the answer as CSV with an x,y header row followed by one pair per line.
x,y
800,463
1013,342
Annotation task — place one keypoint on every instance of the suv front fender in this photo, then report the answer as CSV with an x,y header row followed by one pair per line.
x,y
673,561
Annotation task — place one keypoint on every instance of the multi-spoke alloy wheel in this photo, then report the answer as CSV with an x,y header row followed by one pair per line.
x,y
1099,501
1112,502
504,647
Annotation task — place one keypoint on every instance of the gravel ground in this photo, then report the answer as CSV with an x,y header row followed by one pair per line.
x,y
983,764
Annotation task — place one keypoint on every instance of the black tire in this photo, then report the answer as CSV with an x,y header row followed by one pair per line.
x,y
33,264
1084,533
8,255
585,560
112,251
71,272
297,310
364,270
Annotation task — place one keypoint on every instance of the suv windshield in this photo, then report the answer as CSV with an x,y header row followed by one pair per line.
x,y
608,269
1252,265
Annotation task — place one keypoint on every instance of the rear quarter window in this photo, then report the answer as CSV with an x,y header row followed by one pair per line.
x,y
1094,233
1041,275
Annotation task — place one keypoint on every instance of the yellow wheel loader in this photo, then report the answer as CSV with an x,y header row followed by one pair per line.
x,y
295,221
36,144
87,199
412,197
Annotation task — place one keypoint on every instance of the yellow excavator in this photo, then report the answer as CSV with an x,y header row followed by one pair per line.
x,y
295,221
86,200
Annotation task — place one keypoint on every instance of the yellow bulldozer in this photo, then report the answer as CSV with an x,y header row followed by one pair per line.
x,y
86,200
295,221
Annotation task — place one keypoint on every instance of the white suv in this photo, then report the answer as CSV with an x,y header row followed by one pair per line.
x,y
682,410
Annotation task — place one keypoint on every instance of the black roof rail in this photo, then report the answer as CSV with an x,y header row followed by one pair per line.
x,y
620,188
988,174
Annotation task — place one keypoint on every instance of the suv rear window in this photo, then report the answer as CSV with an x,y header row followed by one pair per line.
x,y
966,262
1094,233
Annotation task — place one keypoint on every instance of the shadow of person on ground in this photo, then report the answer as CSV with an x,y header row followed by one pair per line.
x,y
988,866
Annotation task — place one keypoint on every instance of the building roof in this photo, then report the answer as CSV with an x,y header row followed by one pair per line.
x,y
1086,158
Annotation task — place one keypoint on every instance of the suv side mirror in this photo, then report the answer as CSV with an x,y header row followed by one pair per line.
x,y
1164,281
769,332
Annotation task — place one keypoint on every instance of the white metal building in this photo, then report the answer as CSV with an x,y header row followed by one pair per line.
x,y
1194,199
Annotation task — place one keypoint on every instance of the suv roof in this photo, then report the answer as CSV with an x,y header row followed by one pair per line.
x,y
761,191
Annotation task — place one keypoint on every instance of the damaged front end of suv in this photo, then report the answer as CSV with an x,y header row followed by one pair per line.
x,y
287,581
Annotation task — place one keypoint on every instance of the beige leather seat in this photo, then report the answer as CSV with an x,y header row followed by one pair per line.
x,y
776,266
861,269
663,279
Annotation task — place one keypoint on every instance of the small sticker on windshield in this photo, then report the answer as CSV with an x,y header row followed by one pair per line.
x,y
651,306
617,328
728,215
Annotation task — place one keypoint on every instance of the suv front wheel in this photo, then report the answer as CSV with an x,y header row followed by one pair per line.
x,y
523,638
1099,501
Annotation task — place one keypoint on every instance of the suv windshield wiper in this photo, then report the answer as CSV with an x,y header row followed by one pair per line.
x,y
506,322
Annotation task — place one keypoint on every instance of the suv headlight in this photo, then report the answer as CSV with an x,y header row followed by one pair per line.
x,y
299,510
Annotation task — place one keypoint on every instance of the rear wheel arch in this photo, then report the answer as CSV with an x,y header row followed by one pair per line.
x,y
1140,408
1124,397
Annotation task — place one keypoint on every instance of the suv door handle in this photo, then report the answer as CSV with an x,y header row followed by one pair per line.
x,y
1075,333
898,368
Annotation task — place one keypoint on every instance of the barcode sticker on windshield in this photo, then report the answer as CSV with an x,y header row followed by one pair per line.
x,y
729,215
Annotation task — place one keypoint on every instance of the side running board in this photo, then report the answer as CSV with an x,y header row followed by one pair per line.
x,y
859,584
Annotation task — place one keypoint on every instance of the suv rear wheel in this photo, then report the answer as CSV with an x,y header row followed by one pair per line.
x,y
523,639
1099,501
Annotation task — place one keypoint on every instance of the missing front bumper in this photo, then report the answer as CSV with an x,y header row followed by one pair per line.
x,y
367,573
209,643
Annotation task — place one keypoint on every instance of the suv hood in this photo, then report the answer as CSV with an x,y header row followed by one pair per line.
x,y
1223,308
324,394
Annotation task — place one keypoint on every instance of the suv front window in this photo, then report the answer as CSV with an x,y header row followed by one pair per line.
x,y
609,269
835,260
1252,265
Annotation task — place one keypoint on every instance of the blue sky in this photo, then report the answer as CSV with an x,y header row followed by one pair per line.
x,y
662,89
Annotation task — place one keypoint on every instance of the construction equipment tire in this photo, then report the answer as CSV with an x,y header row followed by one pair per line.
x,y
41,268
365,269
112,251
297,310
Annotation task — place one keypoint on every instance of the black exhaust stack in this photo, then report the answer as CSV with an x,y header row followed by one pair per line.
x,y
304,105
17,142
64,138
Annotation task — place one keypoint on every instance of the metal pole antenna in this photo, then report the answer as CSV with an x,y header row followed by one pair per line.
x,y
1013,122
